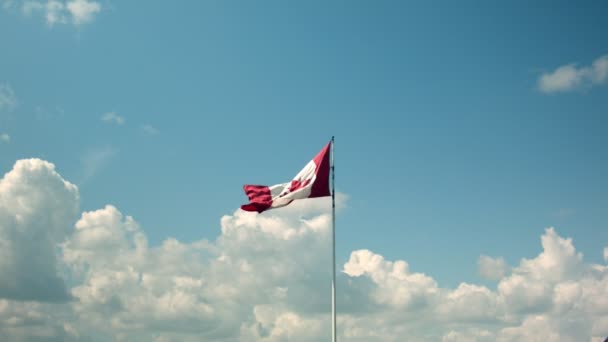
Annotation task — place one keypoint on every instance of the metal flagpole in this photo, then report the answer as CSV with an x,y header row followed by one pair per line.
x,y
333,246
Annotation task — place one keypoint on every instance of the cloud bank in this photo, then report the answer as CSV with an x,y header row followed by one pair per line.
x,y
264,278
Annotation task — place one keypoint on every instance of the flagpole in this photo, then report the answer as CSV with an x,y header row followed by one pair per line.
x,y
333,246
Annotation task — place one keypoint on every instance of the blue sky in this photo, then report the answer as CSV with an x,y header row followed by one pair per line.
x,y
441,130
447,146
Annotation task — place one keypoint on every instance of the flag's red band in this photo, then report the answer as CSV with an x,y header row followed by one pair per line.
x,y
320,188
259,196
305,185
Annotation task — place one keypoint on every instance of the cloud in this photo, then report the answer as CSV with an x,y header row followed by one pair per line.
x,y
570,77
5,138
83,11
469,303
76,12
37,207
606,254
8,100
543,328
530,286
34,321
471,335
148,129
112,118
202,289
395,286
264,278
492,268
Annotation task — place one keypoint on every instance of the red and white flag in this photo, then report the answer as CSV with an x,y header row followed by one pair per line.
x,y
311,182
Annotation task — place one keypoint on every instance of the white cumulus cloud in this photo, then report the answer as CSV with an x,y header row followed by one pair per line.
x,y
570,77
5,138
37,208
395,285
264,278
531,285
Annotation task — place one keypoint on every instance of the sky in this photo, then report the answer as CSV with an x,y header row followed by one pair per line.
x,y
470,161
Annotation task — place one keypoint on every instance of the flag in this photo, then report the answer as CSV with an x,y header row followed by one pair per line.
x,y
311,182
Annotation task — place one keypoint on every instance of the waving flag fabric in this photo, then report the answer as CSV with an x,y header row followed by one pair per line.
x,y
311,182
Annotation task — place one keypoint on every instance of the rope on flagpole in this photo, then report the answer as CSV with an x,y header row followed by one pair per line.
x,y
333,246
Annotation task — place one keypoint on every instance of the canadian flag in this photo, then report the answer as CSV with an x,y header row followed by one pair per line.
x,y
311,182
